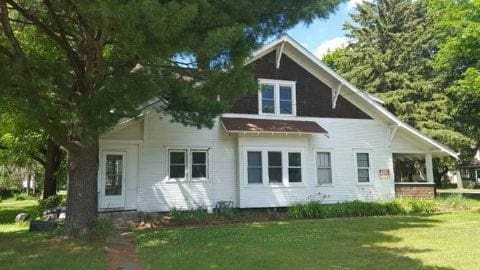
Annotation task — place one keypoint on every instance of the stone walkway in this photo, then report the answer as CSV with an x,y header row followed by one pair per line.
x,y
120,252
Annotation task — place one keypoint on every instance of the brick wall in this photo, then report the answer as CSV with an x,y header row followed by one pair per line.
x,y
415,190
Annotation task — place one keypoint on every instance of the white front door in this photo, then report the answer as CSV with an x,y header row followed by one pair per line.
x,y
112,188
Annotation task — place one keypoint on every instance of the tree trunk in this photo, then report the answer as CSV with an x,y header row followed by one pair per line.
x,y
53,159
82,166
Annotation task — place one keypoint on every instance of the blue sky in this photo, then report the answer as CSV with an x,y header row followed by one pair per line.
x,y
326,34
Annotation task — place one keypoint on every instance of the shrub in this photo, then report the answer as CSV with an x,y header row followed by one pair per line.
x,y
102,228
21,196
314,209
454,202
50,202
417,206
197,214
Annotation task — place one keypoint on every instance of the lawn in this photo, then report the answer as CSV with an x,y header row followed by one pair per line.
x,y
442,241
20,249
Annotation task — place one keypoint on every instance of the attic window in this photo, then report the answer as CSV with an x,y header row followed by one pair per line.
x,y
276,97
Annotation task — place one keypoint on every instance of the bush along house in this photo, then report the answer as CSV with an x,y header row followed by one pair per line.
x,y
307,134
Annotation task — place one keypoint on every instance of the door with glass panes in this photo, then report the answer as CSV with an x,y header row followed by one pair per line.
x,y
112,180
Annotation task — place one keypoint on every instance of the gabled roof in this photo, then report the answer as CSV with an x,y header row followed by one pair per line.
x,y
373,102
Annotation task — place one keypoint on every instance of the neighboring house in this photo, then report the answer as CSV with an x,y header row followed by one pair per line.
x,y
308,134
470,172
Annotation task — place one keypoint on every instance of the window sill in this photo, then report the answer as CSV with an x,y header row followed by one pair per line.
x,y
369,184
299,185
173,180
325,185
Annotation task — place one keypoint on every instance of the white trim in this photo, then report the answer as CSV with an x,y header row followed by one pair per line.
x,y
185,163
188,163
207,164
349,87
107,200
285,165
114,141
393,131
279,55
335,94
276,96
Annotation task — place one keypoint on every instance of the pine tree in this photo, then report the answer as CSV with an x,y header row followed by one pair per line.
x,y
391,55
77,67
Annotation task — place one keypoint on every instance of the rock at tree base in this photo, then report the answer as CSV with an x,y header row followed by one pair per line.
x,y
21,217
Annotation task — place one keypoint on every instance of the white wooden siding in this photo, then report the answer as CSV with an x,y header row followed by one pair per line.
x,y
155,192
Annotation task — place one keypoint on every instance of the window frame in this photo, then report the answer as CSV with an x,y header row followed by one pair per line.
x,y
302,163
188,163
185,151
370,166
285,165
330,151
276,96
262,167
276,167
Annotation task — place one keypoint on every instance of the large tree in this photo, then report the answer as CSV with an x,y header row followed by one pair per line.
x,y
391,53
23,143
458,60
77,67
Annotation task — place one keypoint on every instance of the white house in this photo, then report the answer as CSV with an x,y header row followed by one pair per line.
x,y
307,134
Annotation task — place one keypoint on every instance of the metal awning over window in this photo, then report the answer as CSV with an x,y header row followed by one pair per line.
x,y
255,125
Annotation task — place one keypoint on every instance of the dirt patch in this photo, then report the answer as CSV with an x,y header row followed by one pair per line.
x,y
120,252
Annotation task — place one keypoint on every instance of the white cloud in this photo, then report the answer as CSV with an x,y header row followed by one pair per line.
x,y
353,3
330,45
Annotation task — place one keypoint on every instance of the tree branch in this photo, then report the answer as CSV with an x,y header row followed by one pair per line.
x,y
60,39
7,29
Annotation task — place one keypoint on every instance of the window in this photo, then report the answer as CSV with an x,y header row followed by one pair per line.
x,y
294,167
254,164
113,175
285,99
275,167
277,97
199,164
178,164
324,168
268,98
188,164
363,167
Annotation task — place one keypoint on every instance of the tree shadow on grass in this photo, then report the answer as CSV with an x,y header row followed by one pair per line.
x,y
344,243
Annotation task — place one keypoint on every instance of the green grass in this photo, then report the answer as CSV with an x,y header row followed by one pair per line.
x,y
20,249
442,241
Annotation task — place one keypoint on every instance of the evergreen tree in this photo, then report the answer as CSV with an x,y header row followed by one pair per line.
x,y
77,67
391,55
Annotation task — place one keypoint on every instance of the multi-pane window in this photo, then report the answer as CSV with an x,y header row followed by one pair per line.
x,y
324,168
363,167
113,175
254,164
275,167
199,164
178,163
268,98
187,164
294,167
277,97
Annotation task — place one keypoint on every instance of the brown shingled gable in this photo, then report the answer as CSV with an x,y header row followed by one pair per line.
x,y
270,125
